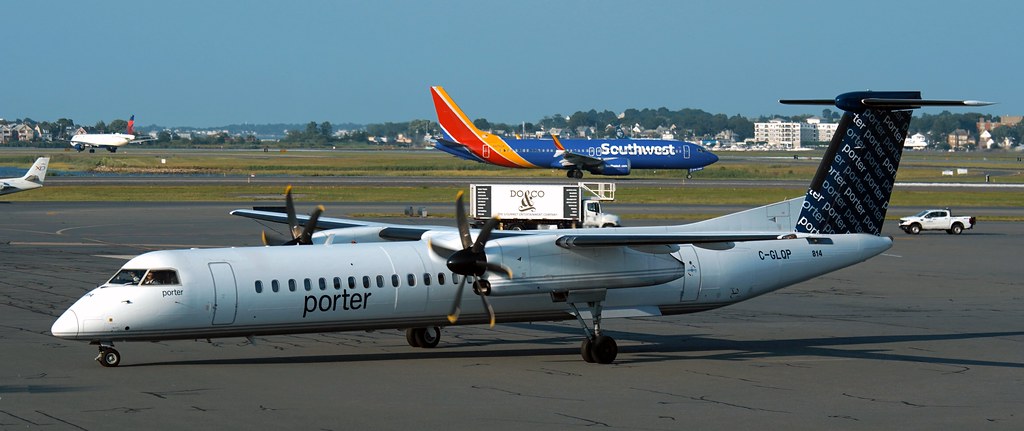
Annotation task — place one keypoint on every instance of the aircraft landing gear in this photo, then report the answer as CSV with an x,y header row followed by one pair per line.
x,y
574,173
109,356
426,338
598,348
92,150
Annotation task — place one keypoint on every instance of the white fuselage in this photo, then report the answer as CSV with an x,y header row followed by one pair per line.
x,y
101,140
14,185
319,288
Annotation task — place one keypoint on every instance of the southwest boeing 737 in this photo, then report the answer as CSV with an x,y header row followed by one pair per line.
x,y
357,275
597,156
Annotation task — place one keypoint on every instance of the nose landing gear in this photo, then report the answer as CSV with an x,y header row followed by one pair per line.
x,y
109,356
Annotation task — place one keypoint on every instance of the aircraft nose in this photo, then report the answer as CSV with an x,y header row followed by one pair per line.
x,y
66,325
712,157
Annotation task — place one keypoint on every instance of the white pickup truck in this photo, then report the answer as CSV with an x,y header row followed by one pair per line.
x,y
936,220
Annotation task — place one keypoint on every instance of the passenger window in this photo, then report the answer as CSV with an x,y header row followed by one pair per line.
x,y
440,278
307,284
128,276
426,279
259,286
323,284
394,280
291,284
412,279
366,281
337,283
351,282
274,285
380,281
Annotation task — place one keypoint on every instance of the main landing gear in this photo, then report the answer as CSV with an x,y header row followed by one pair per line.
x,y
595,347
109,356
426,338
574,173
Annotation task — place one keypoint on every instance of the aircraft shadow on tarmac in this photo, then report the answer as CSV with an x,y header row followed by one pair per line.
x,y
657,348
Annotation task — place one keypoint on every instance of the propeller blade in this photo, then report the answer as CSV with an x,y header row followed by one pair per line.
x,y
499,269
462,222
453,316
306,237
289,204
485,234
271,239
439,250
490,311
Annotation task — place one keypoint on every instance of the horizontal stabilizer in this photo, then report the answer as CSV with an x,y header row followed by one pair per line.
x,y
859,101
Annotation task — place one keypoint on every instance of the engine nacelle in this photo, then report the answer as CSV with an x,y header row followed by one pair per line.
x,y
612,167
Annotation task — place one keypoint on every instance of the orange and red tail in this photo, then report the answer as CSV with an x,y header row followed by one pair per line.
x,y
457,127
131,125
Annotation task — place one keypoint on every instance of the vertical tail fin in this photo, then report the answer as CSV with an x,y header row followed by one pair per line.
x,y
455,125
131,125
851,190
37,173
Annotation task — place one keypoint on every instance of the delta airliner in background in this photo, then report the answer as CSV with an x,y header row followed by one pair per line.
x,y
110,141
597,156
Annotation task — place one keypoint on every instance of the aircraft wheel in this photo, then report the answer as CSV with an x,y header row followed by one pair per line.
x,y
578,174
604,350
429,337
570,173
412,338
92,150
109,357
586,352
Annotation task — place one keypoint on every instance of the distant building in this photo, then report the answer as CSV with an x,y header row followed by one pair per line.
x,y
916,142
793,135
959,138
1005,120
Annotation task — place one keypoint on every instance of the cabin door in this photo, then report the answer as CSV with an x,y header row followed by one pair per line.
x,y
225,293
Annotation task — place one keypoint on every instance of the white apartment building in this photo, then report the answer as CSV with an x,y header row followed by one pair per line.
x,y
793,135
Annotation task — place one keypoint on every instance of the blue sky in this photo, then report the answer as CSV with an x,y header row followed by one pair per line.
x,y
210,63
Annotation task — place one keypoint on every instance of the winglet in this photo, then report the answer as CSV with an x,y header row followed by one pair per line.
x,y
558,143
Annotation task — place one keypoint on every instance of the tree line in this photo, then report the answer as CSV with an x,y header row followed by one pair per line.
x,y
685,123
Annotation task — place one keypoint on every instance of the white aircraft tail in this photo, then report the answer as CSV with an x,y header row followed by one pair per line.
x,y
37,173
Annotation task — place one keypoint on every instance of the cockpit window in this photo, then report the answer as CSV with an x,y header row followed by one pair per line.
x,y
128,276
161,276
141,276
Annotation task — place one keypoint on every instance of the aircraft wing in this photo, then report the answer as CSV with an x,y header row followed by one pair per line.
x,y
580,160
388,231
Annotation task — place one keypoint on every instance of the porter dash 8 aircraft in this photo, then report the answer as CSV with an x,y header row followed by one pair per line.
x,y
110,141
357,275
33,179
597,156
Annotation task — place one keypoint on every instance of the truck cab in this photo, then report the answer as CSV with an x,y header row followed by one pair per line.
x,y
593,217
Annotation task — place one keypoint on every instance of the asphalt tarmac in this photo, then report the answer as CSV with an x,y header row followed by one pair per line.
x,y
929,335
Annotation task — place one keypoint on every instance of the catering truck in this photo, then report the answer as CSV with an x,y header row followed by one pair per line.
x,y
936,220
542,206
